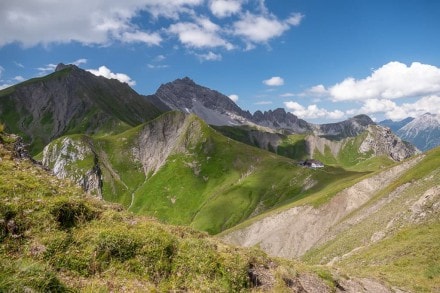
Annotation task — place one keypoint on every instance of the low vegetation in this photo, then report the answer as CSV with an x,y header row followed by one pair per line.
x,y
209,181
54,238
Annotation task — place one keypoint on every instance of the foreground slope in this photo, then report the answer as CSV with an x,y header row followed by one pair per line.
x,y
386,225
54,238
180,170
71,100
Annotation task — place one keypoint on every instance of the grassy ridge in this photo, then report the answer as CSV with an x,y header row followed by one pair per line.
x,y
53,238
209,181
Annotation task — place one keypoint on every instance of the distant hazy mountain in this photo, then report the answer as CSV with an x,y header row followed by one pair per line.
x,y
423,131
396,125
71,100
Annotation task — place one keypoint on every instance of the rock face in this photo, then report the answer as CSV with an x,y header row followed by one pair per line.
x,y
159,139
423,131
75,160
213,107
381,141
348,128
70,100
280,119
82,162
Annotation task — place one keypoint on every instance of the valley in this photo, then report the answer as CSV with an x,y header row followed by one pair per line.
x,y
189,156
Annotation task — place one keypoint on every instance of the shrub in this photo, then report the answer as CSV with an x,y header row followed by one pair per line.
x,y
69,213
118,244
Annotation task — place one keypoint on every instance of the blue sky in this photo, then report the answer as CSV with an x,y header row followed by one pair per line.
x,y
322,60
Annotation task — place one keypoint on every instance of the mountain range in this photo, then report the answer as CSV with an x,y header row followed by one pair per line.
x,y
188,155
422,131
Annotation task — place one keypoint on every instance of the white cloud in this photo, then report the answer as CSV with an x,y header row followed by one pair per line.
x,y
30,22
392,110
274,81
263,103
234,98
159,58
46,69
201,34
105,72
157,66
18,64
392,81
142,37
224,8
287,95
2,69
317,90
261,28
5,85
312,111
79,62
210,56
295,19
19,78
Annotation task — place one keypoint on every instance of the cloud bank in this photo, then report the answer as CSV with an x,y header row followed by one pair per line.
x,y
394,91
199,24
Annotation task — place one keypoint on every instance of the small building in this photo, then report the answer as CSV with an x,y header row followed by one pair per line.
x,y
311,163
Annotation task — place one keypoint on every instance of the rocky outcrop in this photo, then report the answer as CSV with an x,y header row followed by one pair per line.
x,y
347,128
382,141
281,120
75,160
174,133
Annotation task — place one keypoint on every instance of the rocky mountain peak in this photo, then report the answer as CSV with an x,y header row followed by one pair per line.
x,y
347,128
210,105
363,119
62,66
280,119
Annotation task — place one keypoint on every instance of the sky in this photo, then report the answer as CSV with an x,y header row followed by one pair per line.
x,y
324,60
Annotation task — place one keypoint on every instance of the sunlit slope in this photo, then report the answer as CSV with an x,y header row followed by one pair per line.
x,y
182,171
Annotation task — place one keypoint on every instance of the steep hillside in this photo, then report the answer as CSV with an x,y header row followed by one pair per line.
x,y
71,100
348,144
388,222
423,131
54,238
182,171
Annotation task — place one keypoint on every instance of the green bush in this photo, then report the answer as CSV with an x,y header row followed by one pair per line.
x,y
69,213
117,244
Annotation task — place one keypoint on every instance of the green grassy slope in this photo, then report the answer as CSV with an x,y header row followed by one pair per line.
x,y
209,182
294,146
397,242
54,238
